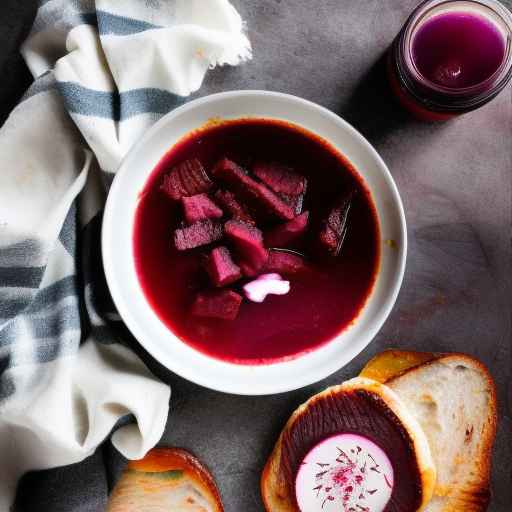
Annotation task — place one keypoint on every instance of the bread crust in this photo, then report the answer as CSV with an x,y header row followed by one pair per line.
x,y
161,460
475,495
393,363
274,487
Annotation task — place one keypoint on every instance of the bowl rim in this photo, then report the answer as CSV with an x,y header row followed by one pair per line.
x,y
350,351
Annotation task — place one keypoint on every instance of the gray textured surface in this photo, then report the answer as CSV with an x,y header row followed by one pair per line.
x,y
456,183
15,21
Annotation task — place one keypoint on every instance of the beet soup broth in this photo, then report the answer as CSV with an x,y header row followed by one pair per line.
x,y
321,302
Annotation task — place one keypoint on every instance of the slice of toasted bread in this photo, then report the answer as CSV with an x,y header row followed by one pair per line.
x,y
333,411
453,397
166,479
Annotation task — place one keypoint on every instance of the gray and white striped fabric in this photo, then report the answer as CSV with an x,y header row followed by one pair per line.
x,y
104,72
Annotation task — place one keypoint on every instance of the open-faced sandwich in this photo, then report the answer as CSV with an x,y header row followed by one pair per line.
x,y
413,432
166,479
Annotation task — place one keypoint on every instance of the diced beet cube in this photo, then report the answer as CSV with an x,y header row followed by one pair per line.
x,y
221,268
186,179
248,242
264,201
247,270
296,202
281,179
288,184
231,205
200,207
288,233
334,227
283,262
223,304
201,233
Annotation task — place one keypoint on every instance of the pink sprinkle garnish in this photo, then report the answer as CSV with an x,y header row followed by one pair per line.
x,y
359,478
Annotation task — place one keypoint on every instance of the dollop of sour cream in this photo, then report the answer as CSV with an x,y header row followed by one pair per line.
x,y
266,284
343,473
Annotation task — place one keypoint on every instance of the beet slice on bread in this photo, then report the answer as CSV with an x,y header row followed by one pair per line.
x,y
367,409
460,396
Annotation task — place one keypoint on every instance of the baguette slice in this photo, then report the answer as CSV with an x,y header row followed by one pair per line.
x,y
165,479
453,397
393,363
335,407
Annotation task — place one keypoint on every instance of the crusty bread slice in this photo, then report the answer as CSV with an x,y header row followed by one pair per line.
x,y
277,489
392,363
165,479
453,397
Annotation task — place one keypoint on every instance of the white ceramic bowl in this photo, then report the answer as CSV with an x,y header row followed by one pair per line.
x,y
143,322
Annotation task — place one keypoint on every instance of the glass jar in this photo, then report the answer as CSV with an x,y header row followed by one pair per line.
x,y
440,29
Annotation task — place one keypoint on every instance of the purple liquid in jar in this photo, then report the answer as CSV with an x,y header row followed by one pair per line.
x,y
451,57
458,49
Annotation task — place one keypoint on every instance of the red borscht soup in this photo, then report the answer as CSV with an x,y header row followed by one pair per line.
x,y
255,241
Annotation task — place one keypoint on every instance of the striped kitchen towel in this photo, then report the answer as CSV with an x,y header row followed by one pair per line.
x,y
105,70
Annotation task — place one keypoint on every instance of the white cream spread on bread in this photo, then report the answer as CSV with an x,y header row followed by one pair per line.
x,y
343,473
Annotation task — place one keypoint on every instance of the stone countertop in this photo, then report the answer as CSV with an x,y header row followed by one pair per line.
x,y
456,183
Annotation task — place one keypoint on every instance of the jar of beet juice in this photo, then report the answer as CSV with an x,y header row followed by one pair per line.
x,y
451,57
